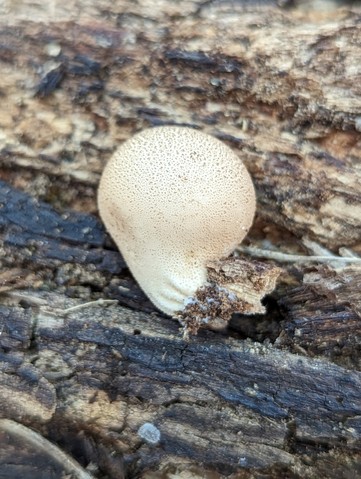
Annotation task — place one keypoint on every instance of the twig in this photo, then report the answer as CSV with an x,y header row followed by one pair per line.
x,y
89,304
284,257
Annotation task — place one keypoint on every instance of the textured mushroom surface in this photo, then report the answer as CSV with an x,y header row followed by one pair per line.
x,y
173,199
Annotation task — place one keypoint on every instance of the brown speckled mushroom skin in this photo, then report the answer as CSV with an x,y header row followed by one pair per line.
x,y
173,199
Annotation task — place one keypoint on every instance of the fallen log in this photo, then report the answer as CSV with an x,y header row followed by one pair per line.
x,y
114,384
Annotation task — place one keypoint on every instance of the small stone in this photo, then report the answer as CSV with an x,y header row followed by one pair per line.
x,y
149,433
53,49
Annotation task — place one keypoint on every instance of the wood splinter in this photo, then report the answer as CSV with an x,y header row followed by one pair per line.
x,y
234,285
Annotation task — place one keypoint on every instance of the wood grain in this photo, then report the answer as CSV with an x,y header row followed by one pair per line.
x,y
277,395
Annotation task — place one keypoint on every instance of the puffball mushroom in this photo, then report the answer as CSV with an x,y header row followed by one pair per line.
x,y
174,199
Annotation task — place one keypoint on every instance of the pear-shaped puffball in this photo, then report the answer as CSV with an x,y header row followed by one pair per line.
x,y
173,199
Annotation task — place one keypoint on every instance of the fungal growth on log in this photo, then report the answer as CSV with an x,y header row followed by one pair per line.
x,y
177,202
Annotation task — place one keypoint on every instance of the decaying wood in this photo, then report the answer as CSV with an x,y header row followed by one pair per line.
x,y
283,92
34,455
93,368
233,285
323,315
108,363
281,87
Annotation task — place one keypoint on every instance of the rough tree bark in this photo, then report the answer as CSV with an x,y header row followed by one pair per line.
x,y
278,394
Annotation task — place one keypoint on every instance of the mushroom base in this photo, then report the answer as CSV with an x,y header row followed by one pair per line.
x,y
235,285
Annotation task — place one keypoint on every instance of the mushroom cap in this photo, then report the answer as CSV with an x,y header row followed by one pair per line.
x,y
173,199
